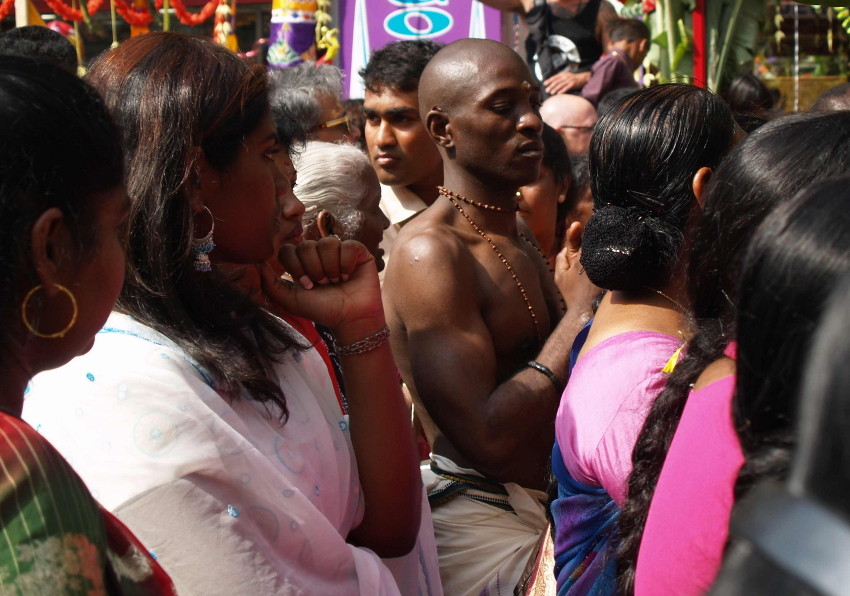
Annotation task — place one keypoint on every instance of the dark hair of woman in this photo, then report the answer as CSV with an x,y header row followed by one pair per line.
x,y
821,465
747,93
557,159
805,244
555,155
580,182
292,132
82,159
644,154
169,109
750,100
790,268
780,158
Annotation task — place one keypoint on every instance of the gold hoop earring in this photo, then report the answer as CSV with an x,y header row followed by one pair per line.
x,y
67,328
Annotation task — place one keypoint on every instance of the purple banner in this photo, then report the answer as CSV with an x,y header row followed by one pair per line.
x,y
368,25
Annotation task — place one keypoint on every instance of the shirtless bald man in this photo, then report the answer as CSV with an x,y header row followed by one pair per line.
x,y
477,322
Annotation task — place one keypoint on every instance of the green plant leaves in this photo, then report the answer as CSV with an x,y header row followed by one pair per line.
x,y
732,29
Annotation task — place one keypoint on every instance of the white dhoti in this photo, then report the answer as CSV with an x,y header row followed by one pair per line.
x,y
486,532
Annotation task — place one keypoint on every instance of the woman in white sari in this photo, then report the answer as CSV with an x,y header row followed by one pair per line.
x,y
209,426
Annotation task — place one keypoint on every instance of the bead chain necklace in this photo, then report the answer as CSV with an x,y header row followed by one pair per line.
x,y
674,359
501,258
682,310
552,271
453,195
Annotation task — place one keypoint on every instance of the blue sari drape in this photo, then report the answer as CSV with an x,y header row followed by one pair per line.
x,y
585,535
585,519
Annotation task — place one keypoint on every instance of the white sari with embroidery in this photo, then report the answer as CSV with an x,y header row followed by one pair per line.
x,y
228,499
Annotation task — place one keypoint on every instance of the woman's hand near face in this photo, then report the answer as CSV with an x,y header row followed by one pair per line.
x,y
336,285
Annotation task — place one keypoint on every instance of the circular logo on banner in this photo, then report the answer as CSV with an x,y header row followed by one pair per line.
x,y
425,21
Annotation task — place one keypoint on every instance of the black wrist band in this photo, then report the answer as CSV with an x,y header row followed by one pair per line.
x,y
541,368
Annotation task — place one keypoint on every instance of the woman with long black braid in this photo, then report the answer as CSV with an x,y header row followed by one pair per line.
x,y
680,550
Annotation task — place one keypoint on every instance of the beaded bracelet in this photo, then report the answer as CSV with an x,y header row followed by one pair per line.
x,y
364,345
542,368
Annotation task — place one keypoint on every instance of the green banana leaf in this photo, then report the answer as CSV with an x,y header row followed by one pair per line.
x,y
672,41
732,29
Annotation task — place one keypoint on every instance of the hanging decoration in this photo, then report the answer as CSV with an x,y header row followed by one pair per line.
x,y
223,27
191,19
292,36
78,45
114,23
33,16
70,13
796,58
6,8
138,26
327,39
136,16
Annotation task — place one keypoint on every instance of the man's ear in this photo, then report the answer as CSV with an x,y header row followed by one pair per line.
x,y
327,224
700,182
642,47
51,246
438,126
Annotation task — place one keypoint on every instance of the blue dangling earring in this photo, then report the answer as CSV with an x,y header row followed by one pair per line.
x,y
202,247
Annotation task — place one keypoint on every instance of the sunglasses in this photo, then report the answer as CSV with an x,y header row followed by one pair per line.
x,y
577,127
336,122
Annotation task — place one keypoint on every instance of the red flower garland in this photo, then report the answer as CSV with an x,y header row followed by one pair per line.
x,y
6,8
137,17
188,18
73,14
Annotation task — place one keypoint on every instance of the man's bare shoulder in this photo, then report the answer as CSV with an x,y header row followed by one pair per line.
x,y
430,263
426,242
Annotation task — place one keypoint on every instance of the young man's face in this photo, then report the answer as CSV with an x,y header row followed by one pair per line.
x,y
496,125
400,149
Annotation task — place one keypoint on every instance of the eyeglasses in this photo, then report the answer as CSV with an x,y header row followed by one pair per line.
x,y
336,122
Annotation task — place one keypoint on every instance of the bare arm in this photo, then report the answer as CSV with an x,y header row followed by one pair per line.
x,y
566,81
501,429
520,6
380,425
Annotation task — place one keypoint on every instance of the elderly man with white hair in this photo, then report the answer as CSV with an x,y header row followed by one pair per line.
x,y
341,195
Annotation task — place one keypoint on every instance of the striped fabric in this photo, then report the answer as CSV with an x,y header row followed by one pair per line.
x,y
56,539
